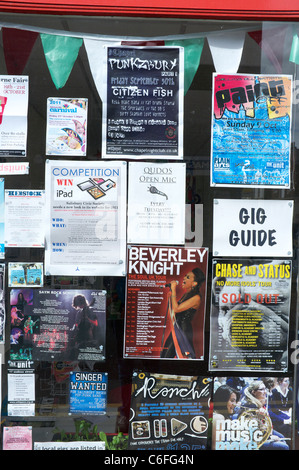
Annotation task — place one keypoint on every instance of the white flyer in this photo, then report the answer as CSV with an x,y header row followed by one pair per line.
x,y
86,214
156,203
66,126
245,227
13,115
24,218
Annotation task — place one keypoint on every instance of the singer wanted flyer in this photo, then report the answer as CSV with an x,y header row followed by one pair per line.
x,y
165,302
251,130
156,203
86,207
250,310
169,412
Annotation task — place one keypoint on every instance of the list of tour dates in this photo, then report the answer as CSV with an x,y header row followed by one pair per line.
x,y
145,315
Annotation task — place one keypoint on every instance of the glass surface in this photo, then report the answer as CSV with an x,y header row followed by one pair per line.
x,y
52,393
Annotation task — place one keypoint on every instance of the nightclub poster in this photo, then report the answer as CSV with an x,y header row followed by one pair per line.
x,y
165,302
86,204
252,413
250,309
2,303
251,130
156,203
253,227
57,325
14,90
66,126
143,109
169,412
88,393
24,218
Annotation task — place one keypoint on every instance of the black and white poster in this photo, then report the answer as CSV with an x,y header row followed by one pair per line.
x,y
250,309
143,109
247,227
156,203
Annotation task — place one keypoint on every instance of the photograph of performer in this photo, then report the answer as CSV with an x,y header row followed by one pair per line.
x,y
179,342
86,327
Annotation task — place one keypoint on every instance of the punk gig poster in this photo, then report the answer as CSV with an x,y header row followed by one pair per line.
x,y
169,412
250,308
251,130
143,109
165,306
57,325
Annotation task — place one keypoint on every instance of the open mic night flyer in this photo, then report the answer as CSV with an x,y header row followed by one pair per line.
x,y
251,130
165,306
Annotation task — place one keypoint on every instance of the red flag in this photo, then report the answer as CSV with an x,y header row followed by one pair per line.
x,y
17,45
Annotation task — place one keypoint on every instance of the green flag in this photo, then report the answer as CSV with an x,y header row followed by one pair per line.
x,y
192,53
294,54
61,53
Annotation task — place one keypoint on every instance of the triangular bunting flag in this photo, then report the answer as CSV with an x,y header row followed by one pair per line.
x,y
192,54
294,54
226,49
142,43
61,53
96,53
271,42
17,46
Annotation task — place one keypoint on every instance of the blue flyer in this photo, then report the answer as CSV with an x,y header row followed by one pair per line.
x,y
88,392
251,130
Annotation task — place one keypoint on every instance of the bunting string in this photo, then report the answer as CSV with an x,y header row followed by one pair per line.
x,y
61,49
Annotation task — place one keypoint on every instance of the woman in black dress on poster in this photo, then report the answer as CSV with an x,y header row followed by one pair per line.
x,y
181,336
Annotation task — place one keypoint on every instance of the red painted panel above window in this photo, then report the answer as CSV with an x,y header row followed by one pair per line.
x,y
214,9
